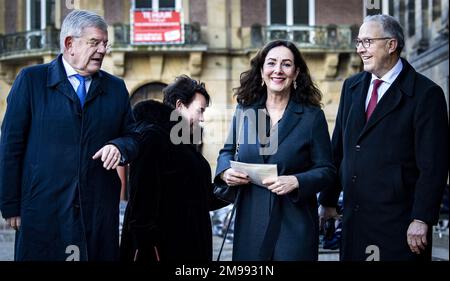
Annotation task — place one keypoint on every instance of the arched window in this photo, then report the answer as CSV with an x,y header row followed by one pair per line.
x,y
148,91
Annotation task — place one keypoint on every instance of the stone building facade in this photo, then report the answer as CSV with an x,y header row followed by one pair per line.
x,y
220,38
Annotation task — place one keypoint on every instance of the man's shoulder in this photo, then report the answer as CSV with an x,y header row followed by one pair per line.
x,y
424,82
111,78
355,78
35,70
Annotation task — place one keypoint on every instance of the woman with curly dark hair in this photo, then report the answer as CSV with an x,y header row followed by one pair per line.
x,y
279,121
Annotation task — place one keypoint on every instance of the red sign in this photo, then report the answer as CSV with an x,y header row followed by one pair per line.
x,y
162,27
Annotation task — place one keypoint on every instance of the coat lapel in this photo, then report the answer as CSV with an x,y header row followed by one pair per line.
x,y
95,89
57,77
291,117
387,104
404,84
253,131
359,91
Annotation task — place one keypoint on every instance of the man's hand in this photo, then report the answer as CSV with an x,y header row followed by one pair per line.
x,y
417,236
110,156
281,185
232,177
14,222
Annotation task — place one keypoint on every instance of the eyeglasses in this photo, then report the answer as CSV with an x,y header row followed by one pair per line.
x,y
367,41
94,43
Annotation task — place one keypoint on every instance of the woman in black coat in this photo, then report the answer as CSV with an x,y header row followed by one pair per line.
x,y
167,217
277,220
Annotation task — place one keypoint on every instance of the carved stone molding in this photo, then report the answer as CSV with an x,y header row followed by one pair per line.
x,y
195,63
354,64
118,59
331,65
7,73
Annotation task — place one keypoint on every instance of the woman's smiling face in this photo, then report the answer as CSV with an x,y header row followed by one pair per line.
x,y
279,70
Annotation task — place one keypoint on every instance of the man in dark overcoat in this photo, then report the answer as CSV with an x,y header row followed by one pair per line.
x,y
67,126
390,144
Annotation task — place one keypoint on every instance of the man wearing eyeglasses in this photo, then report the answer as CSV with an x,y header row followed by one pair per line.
x,y
391,146
67,126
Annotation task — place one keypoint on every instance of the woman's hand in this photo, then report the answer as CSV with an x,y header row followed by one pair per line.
x,y
281,185
233,178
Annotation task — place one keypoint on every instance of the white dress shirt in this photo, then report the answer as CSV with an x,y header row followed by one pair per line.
x,y
72,79
388,79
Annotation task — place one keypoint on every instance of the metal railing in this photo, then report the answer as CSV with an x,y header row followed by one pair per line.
x,y
29,42
305,36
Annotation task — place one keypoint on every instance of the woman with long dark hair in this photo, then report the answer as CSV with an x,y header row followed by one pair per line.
x,y
279,121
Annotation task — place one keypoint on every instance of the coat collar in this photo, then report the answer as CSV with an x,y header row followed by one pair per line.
x,y
292,106
292,115
404,81
403,85
57,77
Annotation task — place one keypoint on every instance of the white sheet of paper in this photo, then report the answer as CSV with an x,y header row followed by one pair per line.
x,y
256,172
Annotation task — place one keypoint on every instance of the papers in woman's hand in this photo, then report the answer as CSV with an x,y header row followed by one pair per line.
x,y
256,172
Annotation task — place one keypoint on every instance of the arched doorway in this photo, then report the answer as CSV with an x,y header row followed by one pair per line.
x,y
148,91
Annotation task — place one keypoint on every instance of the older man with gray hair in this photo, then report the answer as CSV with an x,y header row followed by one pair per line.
x,y
67,126
390,145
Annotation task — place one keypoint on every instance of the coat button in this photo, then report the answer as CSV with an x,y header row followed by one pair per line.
x,y
76,206
358,148
356,208
354,179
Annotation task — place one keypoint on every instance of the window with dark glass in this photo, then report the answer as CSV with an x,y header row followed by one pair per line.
x,y
411,18
391,8
35,20
278,12
50,12
402,13
165,4
140,4
301,11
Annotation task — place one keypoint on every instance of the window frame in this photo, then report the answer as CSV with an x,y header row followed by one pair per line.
x,y
290,12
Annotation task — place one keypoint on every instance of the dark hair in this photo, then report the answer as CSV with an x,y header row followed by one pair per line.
x,y
251,91
184,89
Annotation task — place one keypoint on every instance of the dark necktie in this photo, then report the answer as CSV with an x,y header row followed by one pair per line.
x,y
373,99
81,90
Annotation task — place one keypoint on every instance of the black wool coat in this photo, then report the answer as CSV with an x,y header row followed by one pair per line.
x,y
171,195
270,226
393,169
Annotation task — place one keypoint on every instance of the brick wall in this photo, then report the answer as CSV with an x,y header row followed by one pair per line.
x,y
113,11
10,16
197,12
253,11
339,12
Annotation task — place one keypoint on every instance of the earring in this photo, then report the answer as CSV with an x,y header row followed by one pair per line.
x,y
295,85
262,83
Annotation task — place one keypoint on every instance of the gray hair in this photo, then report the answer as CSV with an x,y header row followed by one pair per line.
x,y
76,21
391,28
